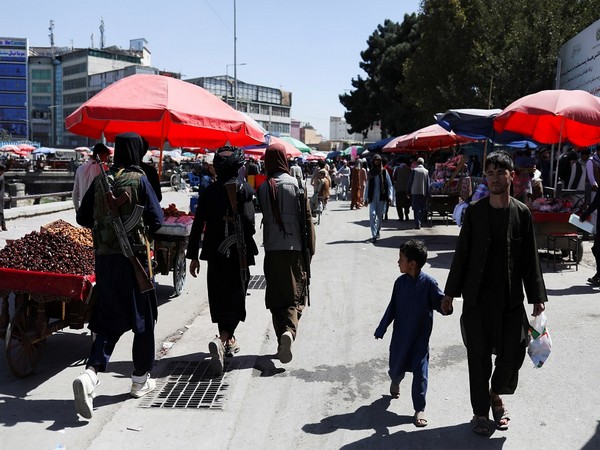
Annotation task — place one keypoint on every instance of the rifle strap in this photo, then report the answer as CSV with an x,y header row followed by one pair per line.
x,y
149,259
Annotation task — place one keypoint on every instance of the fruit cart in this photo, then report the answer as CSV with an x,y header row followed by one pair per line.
x,y
33,305
170,245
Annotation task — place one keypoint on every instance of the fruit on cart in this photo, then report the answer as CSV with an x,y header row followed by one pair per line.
x,y
82,236
48,252
172,211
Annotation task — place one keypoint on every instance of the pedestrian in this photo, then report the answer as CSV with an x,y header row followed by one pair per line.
x,y
289,242
400,178
357,184
150,171
593,207
227,275
496,255
343,181
418,188
121,305
414,298
85,174
2,221
296,172
378,195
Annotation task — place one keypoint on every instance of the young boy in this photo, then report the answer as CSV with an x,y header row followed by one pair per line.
x,y
414,298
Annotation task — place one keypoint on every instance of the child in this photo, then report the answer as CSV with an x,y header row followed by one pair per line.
x,y
414,298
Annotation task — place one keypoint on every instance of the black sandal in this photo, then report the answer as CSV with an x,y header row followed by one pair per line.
x,y
481,425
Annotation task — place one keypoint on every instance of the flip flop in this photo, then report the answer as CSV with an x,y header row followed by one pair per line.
x,y
480,425
500,414
419,420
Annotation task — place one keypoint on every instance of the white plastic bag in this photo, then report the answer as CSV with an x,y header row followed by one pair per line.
x,y
540,343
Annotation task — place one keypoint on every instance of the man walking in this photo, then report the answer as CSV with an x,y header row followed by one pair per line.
x,y
120,303
496,255
289,241
418,188
87,172
378,195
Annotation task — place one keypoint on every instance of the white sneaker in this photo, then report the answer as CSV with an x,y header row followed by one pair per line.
x,y
83,391
141,385
217,351
284,353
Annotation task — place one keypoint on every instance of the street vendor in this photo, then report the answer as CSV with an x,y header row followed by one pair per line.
x,y
120,304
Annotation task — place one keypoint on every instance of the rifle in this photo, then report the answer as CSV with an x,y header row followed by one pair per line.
x,y
112,204
238,237
304,232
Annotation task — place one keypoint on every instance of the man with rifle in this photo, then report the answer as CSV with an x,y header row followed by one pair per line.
x,y
289,241
225,214
123,212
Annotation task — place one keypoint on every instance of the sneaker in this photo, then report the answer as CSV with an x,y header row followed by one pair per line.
x,y
83,391
141,385
231,348
284,353
217,351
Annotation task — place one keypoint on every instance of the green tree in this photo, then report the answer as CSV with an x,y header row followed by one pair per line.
x,y
378,97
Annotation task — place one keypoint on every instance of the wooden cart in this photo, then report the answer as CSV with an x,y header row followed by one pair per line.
x,y
547,223
170,245
33,305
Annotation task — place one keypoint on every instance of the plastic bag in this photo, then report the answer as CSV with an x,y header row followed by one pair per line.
x,y
540,343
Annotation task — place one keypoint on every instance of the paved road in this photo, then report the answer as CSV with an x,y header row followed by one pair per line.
x,y
334,394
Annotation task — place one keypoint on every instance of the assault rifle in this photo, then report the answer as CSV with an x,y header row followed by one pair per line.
x,y
112,205
238,237
305,235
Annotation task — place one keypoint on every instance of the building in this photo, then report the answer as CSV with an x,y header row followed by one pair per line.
x,y
338,133
13,87
270,107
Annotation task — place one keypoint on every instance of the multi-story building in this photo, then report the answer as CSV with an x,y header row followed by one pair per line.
x,y
338,132
270,107
13,87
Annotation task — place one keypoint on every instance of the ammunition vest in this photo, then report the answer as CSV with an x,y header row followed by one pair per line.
x,y
105,238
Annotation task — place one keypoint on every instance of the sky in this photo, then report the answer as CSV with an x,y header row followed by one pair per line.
x,y
310,48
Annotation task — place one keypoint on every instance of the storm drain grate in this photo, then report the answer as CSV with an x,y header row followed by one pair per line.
x,y
190,385
257,282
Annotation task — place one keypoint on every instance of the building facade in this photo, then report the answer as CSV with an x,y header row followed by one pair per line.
x,y
338,132
13,87
270,107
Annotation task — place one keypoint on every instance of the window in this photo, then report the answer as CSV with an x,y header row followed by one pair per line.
x,y
38,74
41,88
13,100
13,114
80,97
13,70
73,70
77,83
264,109
13,85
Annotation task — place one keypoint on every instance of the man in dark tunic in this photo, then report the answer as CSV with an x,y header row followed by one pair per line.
x,y
226,292
120,306
496,255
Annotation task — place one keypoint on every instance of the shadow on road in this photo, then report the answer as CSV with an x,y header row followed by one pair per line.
x,y
377,417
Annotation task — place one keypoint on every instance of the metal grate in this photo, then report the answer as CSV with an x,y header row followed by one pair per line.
x,y
257,282
190,385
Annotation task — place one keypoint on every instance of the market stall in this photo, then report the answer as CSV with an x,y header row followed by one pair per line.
x,y
449,183
46,284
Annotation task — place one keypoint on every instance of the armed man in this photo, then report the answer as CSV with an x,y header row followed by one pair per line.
x,y
289,241
123,212
226,215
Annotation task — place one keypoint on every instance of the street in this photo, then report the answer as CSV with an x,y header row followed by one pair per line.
x,y
335,392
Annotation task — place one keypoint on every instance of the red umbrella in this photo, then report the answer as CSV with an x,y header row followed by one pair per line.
x,y
163,109
553,117
290,150
432,137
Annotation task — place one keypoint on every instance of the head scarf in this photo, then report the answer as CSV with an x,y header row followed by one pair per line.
x,y
275,162
376,168
227,162
128,147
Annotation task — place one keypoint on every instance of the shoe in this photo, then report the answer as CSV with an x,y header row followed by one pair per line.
x,y
4,227
481,425
284,353
231,348
419,419
500,413
83,392
594,280
217,351
141,385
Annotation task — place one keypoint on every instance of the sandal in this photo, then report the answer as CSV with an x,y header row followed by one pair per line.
x,y
500,414
419,419
395,390
481,425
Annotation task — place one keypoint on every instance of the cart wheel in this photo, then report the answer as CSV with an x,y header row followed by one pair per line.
x,y
175,181
579,252
24,346
179,269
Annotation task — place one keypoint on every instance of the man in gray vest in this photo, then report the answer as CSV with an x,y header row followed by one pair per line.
x,y
418,188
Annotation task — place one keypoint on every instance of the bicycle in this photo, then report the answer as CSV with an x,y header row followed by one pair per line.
x,y
177,180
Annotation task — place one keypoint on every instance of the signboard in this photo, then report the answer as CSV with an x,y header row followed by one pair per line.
x,y
579,61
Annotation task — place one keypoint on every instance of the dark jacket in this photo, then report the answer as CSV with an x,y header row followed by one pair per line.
x,y
468,265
